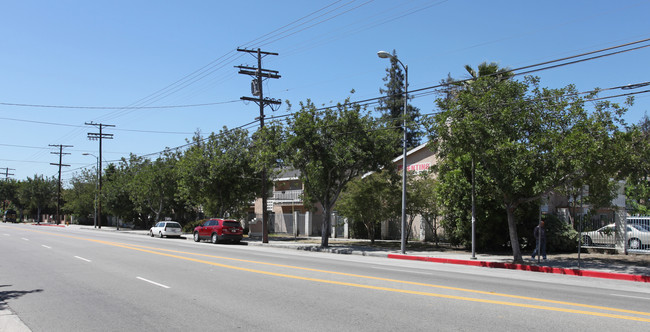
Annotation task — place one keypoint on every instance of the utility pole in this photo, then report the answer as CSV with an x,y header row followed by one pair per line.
x,y
58,195
258,74
7,174
99,136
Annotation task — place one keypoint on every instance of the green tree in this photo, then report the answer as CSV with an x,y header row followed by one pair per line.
x,y
116,196
528,140
423,201
218,173
392,106
333,146
637,189
80,196
9,193
380,190
154,187
38,194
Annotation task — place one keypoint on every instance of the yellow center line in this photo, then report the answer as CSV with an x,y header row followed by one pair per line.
x,y
161,252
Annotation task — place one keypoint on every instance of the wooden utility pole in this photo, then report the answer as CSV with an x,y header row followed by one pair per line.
x,y
259,75
60,164
99,136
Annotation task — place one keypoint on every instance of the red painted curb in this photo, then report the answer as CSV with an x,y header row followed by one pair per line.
x,y
533,268
51,225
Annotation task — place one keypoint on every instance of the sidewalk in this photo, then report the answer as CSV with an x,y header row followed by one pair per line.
x,y
632,267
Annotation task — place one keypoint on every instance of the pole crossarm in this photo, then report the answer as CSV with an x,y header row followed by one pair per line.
x,y
265,100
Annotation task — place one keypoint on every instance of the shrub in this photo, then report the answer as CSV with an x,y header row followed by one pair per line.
x,y
560,236
189,227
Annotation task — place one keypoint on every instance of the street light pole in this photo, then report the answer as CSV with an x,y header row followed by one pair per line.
x,y
386,55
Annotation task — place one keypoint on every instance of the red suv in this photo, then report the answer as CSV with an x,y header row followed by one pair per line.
x,y
219,229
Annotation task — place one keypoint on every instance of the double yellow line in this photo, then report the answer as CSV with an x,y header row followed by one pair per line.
x,y
619,313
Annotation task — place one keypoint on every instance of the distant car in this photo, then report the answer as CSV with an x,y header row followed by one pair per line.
x,y
637,236
217,230
9,216
166,228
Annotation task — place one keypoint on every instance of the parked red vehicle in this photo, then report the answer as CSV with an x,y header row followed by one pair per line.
x,y
218,230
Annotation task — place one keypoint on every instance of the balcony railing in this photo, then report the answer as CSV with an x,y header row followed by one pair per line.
x,y
286,197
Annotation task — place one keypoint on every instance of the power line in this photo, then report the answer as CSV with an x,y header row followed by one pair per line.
x,y
119,107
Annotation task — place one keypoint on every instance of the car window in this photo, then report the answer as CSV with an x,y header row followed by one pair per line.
x,y
173,225
158,225
231,223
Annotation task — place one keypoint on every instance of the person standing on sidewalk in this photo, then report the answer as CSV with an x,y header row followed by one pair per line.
x,y
540,240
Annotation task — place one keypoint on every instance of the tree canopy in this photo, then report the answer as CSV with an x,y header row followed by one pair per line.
x,y
331,147
528,140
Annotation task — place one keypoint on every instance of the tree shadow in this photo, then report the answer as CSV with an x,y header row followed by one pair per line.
x,y
9,295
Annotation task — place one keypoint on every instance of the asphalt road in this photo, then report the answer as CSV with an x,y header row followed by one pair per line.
x,y
66,279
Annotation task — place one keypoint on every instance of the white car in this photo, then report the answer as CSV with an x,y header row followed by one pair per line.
x,y
166,228
638,236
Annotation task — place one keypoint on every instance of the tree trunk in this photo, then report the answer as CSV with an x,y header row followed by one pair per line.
x,y
514,238
325,229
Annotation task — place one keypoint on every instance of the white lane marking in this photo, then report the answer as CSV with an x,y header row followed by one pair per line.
x,y
153,282
83,259
398,270
630,296
5,234
44,246
26,239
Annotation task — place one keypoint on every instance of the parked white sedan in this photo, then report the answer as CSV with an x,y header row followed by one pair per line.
x,y
166,228
637,236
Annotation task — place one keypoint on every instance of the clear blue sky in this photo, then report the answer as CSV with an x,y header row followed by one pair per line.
x,y
112,54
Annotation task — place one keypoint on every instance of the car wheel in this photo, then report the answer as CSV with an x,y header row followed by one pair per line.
x,y
161,235
196,237
635,244
150,233
215,238
586,240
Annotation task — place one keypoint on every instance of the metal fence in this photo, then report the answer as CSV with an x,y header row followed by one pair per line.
x,y
603,233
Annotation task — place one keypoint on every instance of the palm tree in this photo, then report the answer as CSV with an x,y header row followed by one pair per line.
x,y
488,69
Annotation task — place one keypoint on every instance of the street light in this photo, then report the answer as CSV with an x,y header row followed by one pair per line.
x,y
96,185
386,55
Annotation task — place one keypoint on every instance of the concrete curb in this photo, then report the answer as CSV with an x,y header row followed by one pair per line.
x,y
532,268
11,322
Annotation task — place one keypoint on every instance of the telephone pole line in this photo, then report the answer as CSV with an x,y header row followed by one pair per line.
x,y
60,164
99,136
258,74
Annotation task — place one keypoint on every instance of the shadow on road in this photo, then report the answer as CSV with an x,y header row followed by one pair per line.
x,y
8,295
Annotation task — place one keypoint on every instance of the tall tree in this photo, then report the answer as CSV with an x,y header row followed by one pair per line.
x,y
637,189
80,196
116,197
392,106
38,193
218,173
154,188
528,140
9,193
333,146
